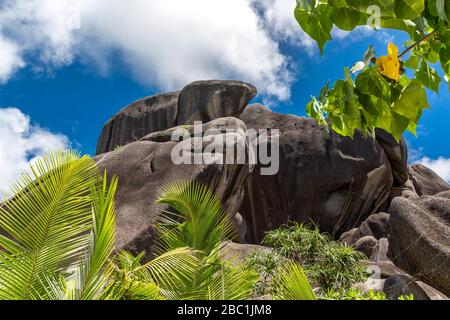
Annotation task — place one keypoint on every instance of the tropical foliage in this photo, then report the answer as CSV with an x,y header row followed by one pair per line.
x,y
59,241
199,221
378,97
59,224
328,263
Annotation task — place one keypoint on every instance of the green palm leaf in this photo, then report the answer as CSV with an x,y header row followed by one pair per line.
x,y
46,219
169,275
225,281
200,224
93,271
293,284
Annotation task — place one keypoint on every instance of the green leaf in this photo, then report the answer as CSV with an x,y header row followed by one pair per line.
x,y
399,125
412,99
413,62
306,4
398,24
439,8
370,82
445,59
48,217
363,5
316,24
347,19
315,110
409,9
377,113
429,77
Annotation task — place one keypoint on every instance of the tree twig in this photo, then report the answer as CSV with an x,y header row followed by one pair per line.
x,y
428,36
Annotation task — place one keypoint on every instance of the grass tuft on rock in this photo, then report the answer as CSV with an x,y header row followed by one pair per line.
x,y
330,266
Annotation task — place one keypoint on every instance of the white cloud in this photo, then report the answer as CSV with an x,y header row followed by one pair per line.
x,y
441,166
40,28
10,59
21,142
278,18
166,43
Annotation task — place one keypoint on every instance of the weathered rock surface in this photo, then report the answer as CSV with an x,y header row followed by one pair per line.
x,y
381,251
209,100
199,101
426,182
324,178
406,190
397,153
137,120
387,278
366,245
237,253
432,293
383,269
144,167
377,226
404,285
420,238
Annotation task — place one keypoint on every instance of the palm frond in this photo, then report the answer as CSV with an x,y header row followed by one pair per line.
x,y
46,219
175,272
200,223
293,284
94,270
226,281
130,281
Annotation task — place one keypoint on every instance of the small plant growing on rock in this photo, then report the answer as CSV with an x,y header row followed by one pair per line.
x,y
267,264
327,263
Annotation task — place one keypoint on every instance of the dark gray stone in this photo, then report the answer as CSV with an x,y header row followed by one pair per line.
x,y
403,285
333,181
426,181
350,237
432,293
209,100
406,190
397,153
420,239
237,253
137,120
366,245
380,251
376,225
383,269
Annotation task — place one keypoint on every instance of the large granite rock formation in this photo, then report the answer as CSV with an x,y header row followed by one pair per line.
x,y
200,101
145,166
338,183
333,181
420,238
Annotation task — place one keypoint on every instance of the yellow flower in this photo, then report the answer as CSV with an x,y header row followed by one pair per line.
x,y
389,66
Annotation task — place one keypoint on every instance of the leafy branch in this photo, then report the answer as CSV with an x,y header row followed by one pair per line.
x,y
418,42
381,95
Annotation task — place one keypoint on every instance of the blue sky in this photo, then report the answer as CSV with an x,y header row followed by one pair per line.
x,y
64,85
